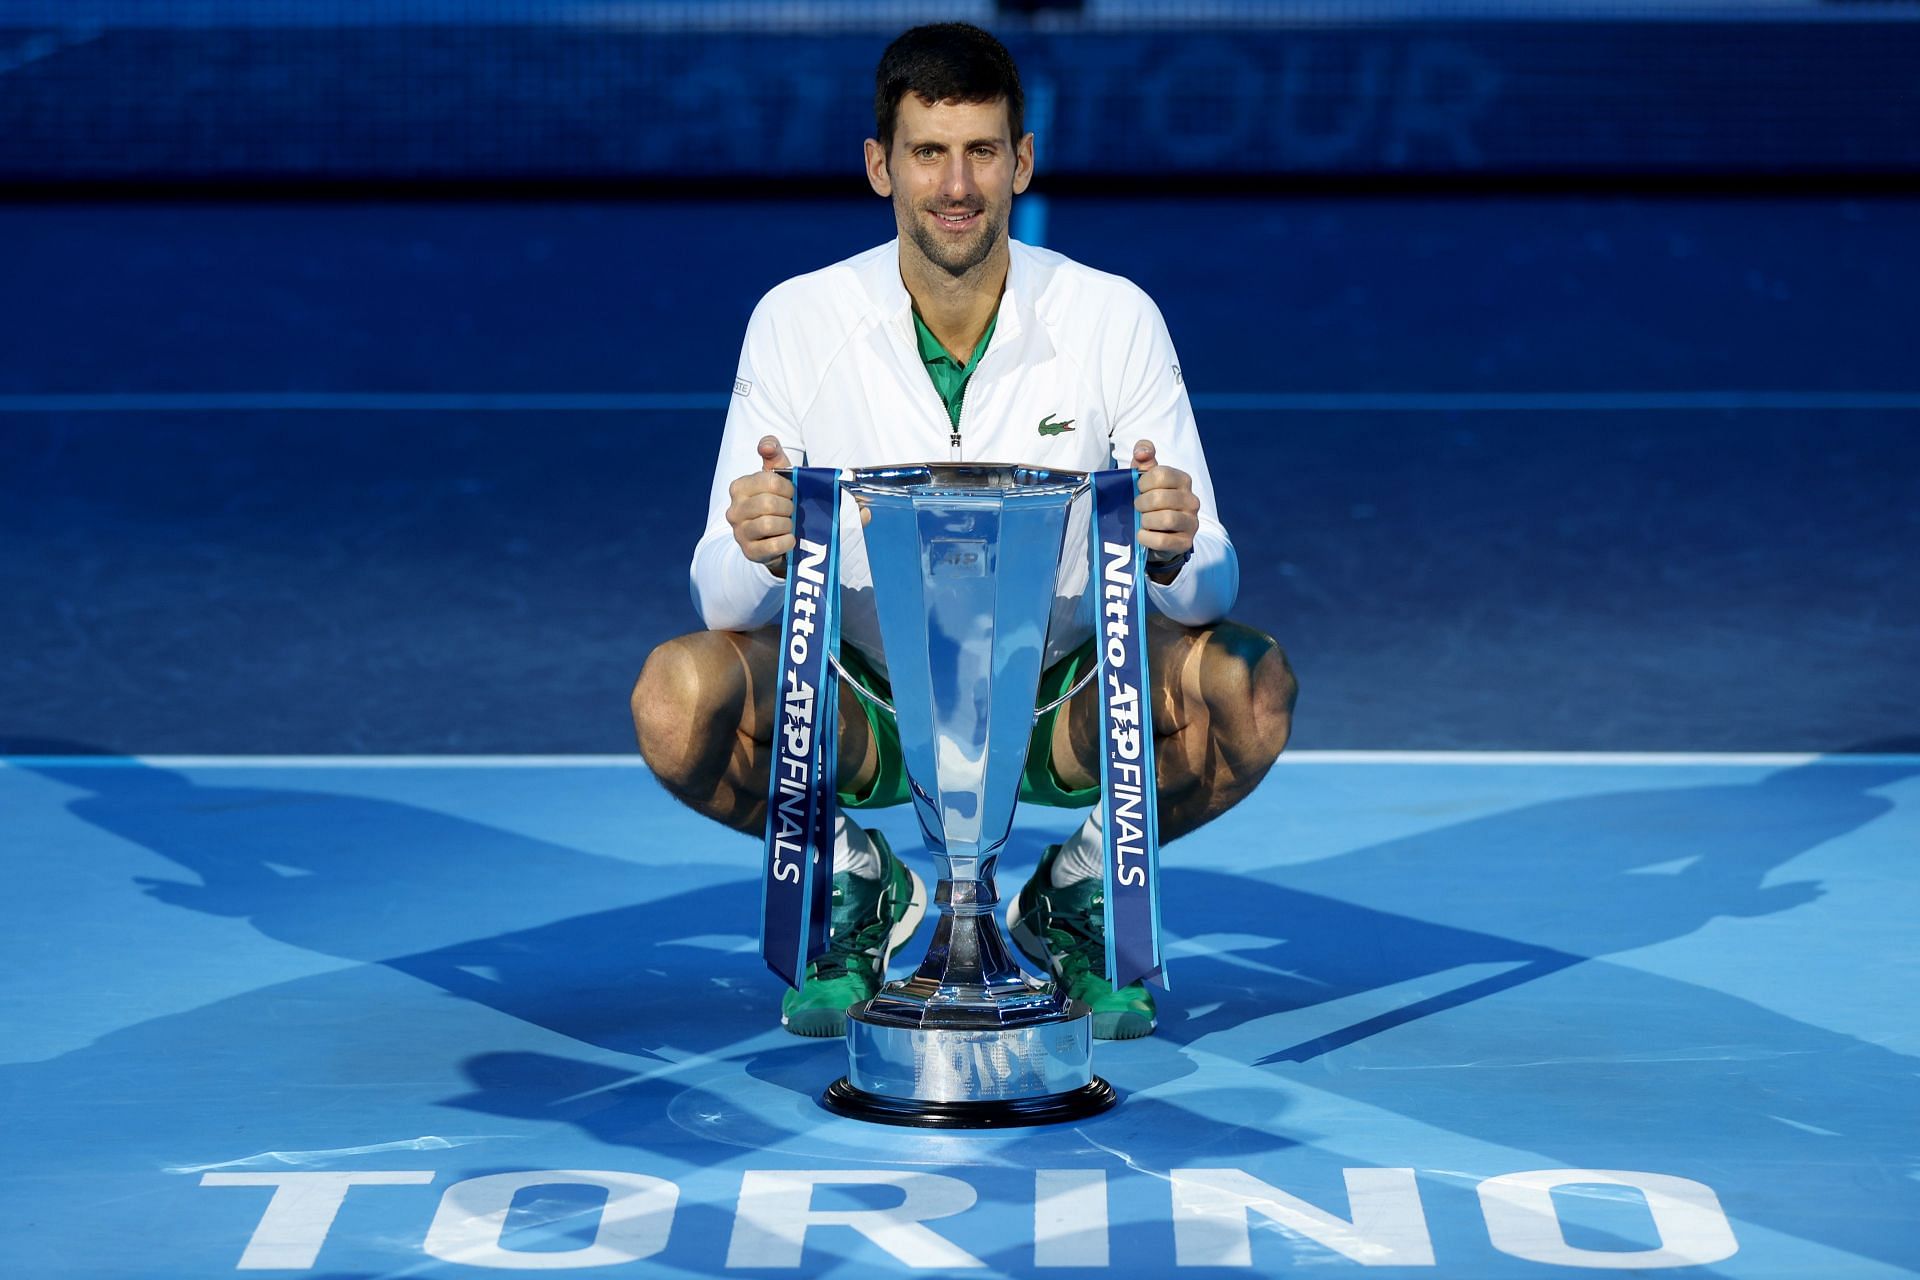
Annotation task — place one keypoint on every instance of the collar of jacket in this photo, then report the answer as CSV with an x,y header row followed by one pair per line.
x,y
1017,325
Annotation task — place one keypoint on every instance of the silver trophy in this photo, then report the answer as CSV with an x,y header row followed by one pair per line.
x,y
964,559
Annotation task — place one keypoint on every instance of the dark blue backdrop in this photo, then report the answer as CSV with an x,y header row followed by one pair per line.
x,y
94,88
1681,574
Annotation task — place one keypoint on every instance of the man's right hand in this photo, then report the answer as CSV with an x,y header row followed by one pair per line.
x,y
761,510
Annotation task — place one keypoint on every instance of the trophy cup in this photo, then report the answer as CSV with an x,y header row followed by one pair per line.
x,y
964,558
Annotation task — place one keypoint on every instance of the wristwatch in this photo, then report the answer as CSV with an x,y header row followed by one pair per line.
x,y
1176,564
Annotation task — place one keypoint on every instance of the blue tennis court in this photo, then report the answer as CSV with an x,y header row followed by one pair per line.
x,y
1460,1014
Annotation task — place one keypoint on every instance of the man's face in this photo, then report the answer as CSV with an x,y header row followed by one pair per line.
x,y
952,175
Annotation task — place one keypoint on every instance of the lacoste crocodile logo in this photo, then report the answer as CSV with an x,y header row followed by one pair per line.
x,y
1048,427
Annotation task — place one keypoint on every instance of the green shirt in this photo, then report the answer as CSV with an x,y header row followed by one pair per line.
x,y
949,375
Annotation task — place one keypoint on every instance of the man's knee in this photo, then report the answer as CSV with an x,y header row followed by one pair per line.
x,y
691,688
1250,690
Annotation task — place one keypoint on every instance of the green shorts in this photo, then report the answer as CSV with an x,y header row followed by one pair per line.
x,y
1039,784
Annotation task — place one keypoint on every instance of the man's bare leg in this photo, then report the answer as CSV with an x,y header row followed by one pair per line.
x,y
1222,702
704,709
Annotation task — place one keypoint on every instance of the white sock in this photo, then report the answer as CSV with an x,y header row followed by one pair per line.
x,y
1081,856
854,852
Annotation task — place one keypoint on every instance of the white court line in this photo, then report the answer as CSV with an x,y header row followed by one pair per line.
x,y
1604,759
1608,759
1551,401
363,401
702,401
330,762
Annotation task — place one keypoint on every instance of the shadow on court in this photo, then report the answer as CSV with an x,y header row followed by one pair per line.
x,y
1455,978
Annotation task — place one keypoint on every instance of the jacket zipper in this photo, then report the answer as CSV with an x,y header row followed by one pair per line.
x,y
954,437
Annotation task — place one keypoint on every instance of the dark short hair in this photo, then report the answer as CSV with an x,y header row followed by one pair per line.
x,y
945,62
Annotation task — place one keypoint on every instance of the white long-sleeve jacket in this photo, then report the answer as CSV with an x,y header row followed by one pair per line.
x,y
832,369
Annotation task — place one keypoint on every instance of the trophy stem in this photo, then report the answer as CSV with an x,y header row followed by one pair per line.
x,y
969,976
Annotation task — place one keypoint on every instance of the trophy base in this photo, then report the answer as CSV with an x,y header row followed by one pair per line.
x,y
843,1098
979,1075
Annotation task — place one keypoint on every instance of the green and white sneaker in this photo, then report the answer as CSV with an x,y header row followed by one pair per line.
x,y
871,918
1064,930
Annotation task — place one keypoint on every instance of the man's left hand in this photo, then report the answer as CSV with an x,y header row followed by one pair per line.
x,y
1169,513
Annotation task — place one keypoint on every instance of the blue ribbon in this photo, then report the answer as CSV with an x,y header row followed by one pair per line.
x,y
1128,797
797,879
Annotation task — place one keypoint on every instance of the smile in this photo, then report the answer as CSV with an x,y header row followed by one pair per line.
x,y
958,221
